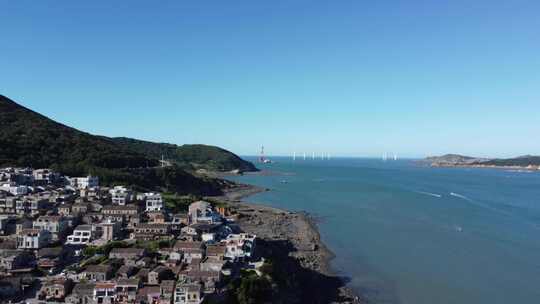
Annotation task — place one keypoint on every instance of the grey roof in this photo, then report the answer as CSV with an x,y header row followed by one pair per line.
x,y
84,227
128,282
97,268
83,289
50,252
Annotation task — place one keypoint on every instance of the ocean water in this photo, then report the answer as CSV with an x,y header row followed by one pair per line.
x,y
404,233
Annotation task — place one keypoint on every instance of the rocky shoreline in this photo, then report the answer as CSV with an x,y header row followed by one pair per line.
x,y
531,168
292,238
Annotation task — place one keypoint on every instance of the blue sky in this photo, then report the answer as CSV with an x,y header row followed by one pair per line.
x,y
351,78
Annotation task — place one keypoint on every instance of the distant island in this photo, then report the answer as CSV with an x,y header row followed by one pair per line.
x,y
526,162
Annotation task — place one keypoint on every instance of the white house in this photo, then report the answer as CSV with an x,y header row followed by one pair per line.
x,y
82,235
208,237
239,246
121,195
45,176
84,182
154,201
14,189
202,212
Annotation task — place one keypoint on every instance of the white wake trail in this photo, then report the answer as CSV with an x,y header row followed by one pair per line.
x,y
430,194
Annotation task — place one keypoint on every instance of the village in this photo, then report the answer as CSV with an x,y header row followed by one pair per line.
x,y
70,240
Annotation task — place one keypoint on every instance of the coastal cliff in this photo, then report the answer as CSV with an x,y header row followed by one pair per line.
x,y
291,241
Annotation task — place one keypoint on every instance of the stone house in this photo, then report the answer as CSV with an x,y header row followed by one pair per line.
x,y
178,221
127,253
105,293
167,291
202,212
216,251
148,231
210,279
64,209
126,211
188,293
55,290
190,250
142,275
51,258
212,264
149,294
7,203
16,259
97,273
22,223
156,217
109,230
126,271
31,204
79,208
55,224
82,293
126,290
159,274
33,238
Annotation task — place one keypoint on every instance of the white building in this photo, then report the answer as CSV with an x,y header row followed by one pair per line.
x,y
153,201
239,246
82,235
55,224
121,195
105,292
202,212
45,176
208,237
84,182
14,189
33,238
188,293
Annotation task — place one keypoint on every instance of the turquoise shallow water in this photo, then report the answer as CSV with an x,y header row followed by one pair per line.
x,y
409,234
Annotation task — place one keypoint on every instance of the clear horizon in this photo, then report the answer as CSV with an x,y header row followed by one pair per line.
x,y
354,78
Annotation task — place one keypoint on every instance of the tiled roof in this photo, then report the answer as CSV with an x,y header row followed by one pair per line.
x,y
187,245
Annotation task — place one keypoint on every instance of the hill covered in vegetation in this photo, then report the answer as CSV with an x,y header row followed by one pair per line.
x,y
521,161
453,159
30,139
450,160
189,156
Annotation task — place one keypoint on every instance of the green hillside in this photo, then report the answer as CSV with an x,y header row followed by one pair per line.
x,y
522,161
189,156
30,139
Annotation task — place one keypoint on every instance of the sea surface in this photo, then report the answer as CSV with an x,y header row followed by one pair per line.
x,y
405,233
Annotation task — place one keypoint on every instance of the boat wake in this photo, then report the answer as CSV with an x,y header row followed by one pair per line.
x,y
460,196
429,193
